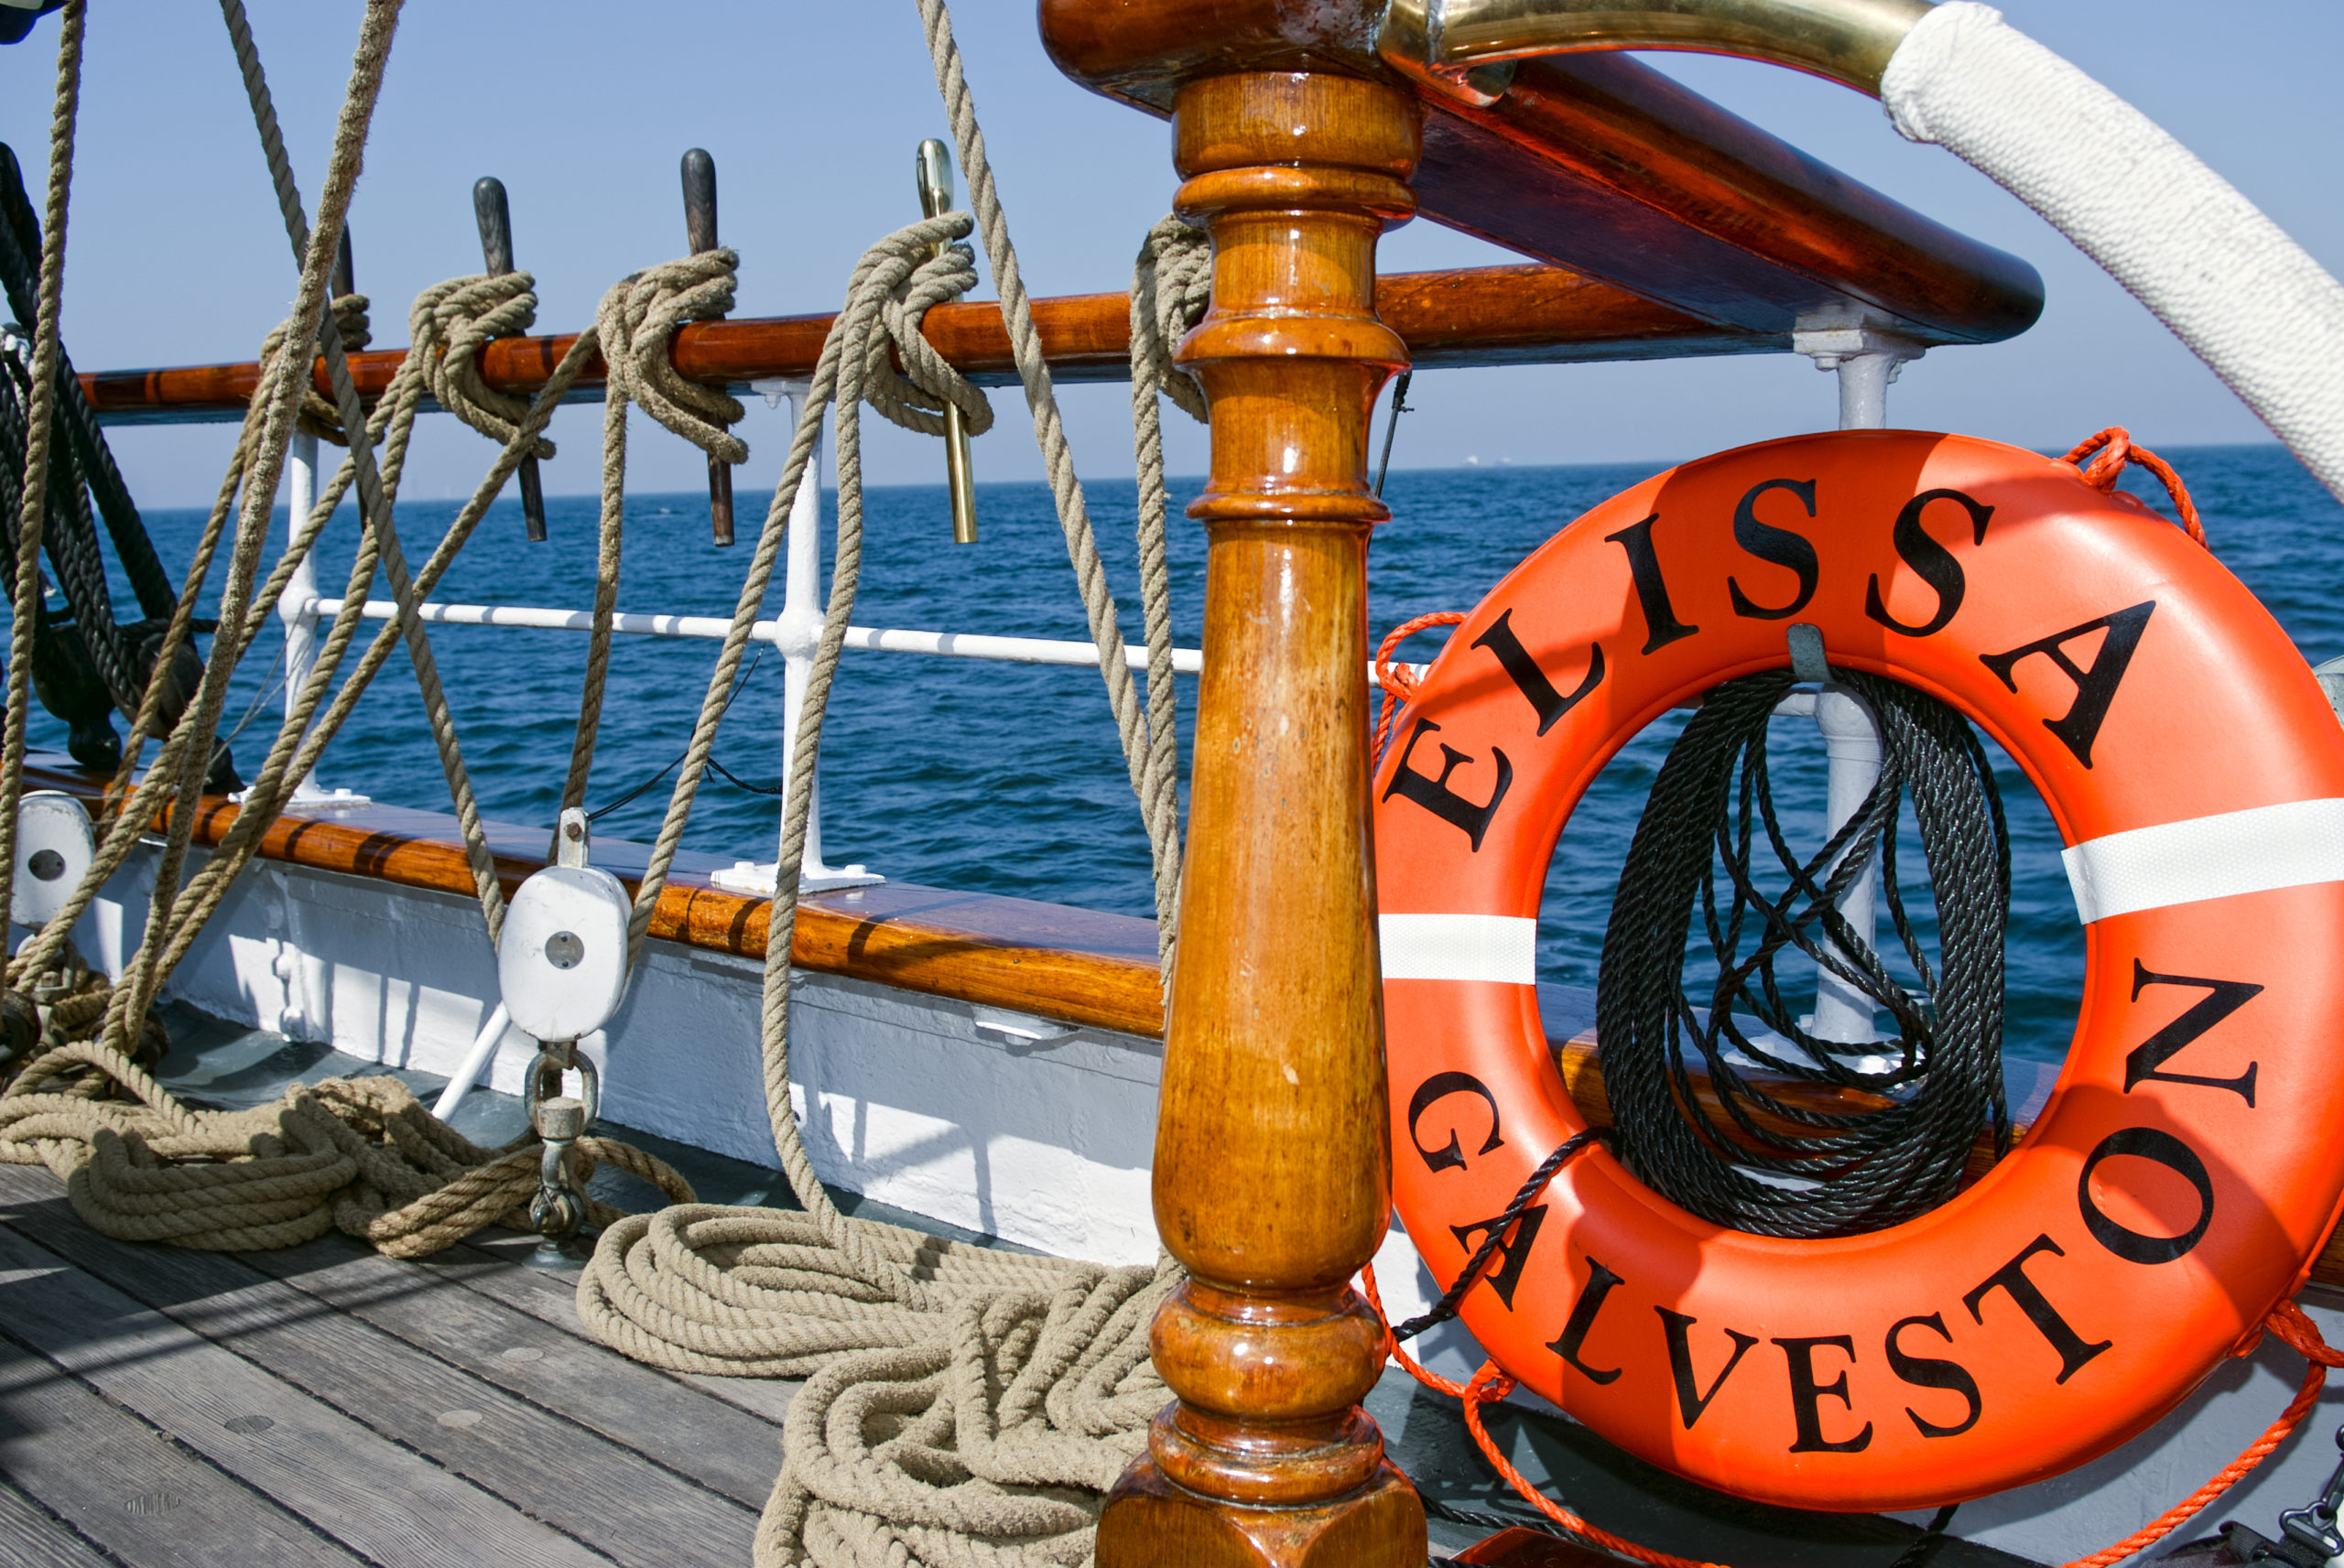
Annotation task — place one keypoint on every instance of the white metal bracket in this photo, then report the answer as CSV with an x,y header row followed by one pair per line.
x,y
1867,359
55,846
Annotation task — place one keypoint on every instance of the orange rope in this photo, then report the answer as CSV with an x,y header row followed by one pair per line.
x,y
2115,450
1491,1383
2289,1323
1398,681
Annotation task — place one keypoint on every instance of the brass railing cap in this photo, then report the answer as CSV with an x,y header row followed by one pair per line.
x,y
1455,44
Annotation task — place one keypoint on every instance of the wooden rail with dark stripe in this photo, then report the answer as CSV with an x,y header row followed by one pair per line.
x,y
1473,316
1074,964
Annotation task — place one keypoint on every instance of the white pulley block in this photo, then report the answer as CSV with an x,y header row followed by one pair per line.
x,y
55,846
561,961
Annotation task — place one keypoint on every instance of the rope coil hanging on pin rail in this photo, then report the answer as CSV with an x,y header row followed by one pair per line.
x,y
916,397
636,322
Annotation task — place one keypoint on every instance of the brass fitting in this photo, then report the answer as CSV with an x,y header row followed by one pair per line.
x,y
1447,42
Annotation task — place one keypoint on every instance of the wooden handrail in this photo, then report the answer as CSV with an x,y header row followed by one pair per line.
x,y
1473,316
1073,965
1597,162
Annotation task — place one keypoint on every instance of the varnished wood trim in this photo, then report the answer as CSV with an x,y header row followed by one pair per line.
x,y
1072,965
1470,316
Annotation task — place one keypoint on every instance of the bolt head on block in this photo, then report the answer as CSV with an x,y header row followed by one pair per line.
x,y
561,961
54,847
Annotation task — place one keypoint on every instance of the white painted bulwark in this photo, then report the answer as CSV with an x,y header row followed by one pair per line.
x,y
993,1121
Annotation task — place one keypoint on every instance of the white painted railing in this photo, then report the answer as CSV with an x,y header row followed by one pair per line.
x,y
795,633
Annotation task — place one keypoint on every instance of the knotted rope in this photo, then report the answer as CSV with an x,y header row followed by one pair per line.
x,y
2101,458
319,416
633,326
635,320
449,326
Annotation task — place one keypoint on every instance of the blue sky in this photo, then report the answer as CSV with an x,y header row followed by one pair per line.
x,y
813,111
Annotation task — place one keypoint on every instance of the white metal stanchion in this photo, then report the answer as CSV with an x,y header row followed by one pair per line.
x,y
1867,361
797,631
298,608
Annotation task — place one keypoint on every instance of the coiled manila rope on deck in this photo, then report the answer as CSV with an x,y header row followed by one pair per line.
x,y
966,1400
358,1154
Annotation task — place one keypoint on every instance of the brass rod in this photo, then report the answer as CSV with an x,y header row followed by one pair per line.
x,y
934,169
1848,41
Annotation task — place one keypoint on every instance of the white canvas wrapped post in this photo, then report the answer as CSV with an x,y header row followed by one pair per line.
x,y
2247,300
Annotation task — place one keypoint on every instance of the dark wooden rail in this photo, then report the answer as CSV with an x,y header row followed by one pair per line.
x,y
1600,163
1469,316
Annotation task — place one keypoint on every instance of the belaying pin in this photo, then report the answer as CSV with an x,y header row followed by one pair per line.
x,y
700,227
494,217
934,169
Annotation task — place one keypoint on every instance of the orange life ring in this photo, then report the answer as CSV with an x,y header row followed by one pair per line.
x,y
2187,1165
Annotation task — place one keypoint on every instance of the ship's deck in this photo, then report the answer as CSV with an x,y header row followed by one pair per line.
x,y
322,1404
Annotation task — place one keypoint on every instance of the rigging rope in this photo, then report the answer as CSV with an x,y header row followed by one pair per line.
x,y
1171,286
633,325
1013,1377
318,249
1023,1379
24,600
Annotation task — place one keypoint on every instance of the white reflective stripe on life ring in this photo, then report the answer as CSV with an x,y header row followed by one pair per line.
x,y
2231,852
1502,947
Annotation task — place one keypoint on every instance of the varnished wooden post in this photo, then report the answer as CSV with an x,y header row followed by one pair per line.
x,y
1273,1163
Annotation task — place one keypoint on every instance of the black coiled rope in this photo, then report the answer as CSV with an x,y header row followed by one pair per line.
x,y
1866,1168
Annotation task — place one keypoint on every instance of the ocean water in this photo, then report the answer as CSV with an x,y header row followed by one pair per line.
x,y
1005,778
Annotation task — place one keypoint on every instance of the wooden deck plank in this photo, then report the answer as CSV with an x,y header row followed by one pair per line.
x,y
130,1488
586,1485
498,1273
29,1538
384,1502
556,1366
